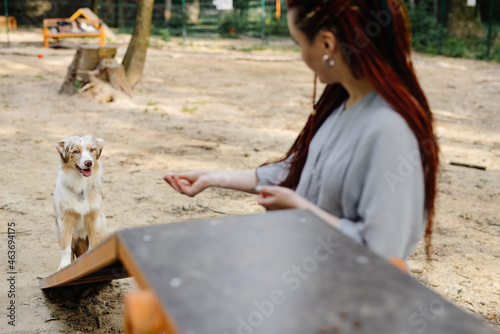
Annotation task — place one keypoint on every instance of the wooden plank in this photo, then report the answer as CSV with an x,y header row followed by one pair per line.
x,y
282,272
99,264
76,34
277,272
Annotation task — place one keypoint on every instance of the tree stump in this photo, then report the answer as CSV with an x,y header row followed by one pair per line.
x,y
95,69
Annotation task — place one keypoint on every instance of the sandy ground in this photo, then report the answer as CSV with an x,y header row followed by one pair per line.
x,y
208,104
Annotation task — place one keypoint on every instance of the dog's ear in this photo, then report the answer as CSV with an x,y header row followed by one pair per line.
x,y
100,145
63,151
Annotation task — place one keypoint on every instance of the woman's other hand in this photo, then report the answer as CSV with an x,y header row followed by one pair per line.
x,y
278,198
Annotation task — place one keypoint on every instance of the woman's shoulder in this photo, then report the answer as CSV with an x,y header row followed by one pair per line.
x,y
381,125
380,116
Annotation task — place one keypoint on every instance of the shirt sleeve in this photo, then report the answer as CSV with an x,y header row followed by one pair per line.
x,y
386,184
273,174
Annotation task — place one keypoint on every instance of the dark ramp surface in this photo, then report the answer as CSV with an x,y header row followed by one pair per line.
x,y
282,272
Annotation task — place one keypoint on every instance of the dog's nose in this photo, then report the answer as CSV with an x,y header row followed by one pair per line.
x,y
88,163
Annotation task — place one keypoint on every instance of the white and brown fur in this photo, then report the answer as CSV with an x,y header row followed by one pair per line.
x,y
80,224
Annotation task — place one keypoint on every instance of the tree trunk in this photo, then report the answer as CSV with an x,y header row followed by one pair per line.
x,y
121,15
412,6
136,53
168,10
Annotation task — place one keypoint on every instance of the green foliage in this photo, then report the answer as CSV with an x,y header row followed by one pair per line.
x,y
77,85
275,27
266,46
427,35
190,110
496,52
454,46
231,25
426,30
126,30
175,21
476,48
163,33
241,5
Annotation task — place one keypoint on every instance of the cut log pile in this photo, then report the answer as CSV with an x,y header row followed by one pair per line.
x,y
95,69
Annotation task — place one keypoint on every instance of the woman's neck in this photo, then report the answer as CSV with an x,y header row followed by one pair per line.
x,y
357,90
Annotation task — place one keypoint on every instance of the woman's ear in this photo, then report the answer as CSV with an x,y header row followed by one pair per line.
x,y
329,41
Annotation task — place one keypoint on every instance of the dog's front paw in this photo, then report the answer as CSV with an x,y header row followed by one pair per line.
x,y
63,264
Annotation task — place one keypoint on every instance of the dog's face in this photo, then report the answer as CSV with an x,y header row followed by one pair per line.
x,y
80,153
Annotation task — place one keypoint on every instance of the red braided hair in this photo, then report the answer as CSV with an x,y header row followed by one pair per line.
x,y
375,39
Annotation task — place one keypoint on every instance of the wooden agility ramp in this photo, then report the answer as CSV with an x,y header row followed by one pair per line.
x,y
276,272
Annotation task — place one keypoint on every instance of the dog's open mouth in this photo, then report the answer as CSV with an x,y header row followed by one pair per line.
x,y
84,172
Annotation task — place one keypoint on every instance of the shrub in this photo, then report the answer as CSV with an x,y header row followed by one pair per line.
x,y
426,31
454,46
231,25
427,34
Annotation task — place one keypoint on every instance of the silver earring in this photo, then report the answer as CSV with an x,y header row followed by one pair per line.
x,y
328,62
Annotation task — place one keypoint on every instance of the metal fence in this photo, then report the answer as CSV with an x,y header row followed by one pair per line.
x,y
256,18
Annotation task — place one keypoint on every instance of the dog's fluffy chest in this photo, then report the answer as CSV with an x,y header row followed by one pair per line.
x,y
77,193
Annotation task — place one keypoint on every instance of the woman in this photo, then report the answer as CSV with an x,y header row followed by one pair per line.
x,y
366,160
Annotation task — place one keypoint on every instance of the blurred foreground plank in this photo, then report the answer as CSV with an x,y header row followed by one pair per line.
x,y
276,272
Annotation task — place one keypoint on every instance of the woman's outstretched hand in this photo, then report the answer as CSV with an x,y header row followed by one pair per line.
x,y
278,198
190,183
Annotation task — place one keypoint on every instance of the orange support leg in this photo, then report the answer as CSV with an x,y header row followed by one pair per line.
x,y
102,38
143,313
400,264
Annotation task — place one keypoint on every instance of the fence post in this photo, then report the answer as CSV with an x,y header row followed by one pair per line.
x,y
263,21
443,15
7,21
121,20
184,32
488,47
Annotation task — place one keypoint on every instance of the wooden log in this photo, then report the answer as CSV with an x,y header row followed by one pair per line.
x,y
107,82
115,75
87,58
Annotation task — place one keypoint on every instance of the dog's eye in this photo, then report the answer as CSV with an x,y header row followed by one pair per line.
x,y
76,152
92,150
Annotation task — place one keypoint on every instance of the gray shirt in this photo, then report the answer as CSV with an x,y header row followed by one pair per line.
x,y
364,167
